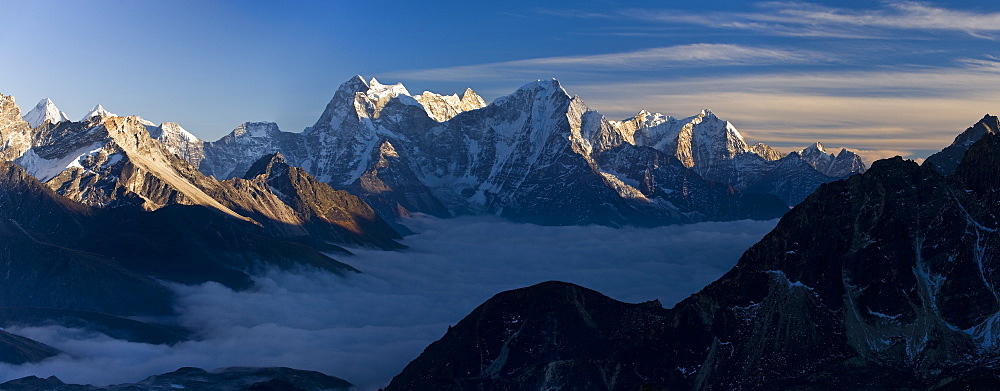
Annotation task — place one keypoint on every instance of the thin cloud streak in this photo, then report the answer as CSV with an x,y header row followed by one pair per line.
x,y
694,55
808,19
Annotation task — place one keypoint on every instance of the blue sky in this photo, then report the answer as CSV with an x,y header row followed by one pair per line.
x,y
885,77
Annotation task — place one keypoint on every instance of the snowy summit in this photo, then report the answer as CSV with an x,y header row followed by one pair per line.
x,y
98,111
45,110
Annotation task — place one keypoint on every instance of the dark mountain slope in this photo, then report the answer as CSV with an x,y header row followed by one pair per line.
x,y
19,350
947,160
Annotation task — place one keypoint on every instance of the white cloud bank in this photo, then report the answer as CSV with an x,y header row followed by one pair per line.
x,y
367,327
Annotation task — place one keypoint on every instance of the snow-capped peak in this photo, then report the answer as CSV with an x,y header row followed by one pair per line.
x,y
539,89
174,128
98,111
443,107
816,147
45,110
377,91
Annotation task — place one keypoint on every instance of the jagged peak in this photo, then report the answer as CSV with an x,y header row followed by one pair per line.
x,y
471,100
846,152
815,147
267,165
45,110
538,88
98,111
354,84
377,91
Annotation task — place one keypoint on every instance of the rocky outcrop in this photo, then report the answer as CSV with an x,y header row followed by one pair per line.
x,y
15,134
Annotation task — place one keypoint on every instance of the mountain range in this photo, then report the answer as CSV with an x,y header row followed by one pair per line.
x,y
538,155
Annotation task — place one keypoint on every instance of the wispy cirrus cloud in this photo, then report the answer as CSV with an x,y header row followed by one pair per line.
x,y
810,19
693,55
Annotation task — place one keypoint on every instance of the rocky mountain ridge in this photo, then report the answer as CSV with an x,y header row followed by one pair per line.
x,y
527,156
111,161
947,160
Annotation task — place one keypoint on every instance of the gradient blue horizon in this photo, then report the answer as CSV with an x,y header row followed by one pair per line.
x,y
213,65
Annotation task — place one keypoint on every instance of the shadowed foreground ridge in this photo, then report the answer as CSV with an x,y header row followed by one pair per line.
x,y
880,281
196,379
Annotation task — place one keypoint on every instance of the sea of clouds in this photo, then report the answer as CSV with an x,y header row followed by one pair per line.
x,y
366,327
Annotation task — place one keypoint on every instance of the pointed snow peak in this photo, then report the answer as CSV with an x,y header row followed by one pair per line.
x,y
816,151
98,111
45,110
707,113
539,89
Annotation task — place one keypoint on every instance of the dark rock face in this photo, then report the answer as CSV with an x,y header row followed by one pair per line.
x,y
62,254
880,281
41,268
325,213
948,159
791,179
19,350
549,336
661,177
196,379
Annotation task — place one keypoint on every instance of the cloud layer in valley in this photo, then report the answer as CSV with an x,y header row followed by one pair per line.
x,y
366,327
